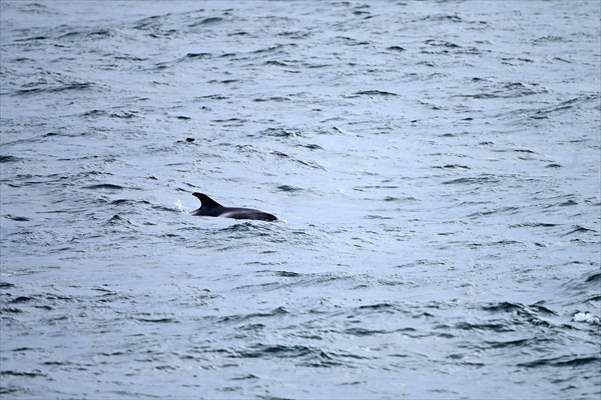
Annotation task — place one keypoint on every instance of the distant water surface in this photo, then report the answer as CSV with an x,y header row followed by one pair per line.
x,y
435,164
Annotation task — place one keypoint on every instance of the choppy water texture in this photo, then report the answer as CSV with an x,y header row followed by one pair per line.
x,y
436,165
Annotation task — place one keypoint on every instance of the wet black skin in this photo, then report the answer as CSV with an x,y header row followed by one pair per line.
x,y
210,208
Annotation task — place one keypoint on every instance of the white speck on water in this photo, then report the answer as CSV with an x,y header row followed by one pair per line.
x,y
180,206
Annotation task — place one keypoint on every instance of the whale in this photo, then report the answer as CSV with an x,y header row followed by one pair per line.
x,y
210,208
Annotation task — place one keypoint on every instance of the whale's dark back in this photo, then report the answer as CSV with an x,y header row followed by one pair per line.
x,y
246,213
210,208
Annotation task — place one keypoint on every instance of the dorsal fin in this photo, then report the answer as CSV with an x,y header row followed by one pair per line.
x,y
206,201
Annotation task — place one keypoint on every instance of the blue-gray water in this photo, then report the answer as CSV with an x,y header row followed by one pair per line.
x,y
435,164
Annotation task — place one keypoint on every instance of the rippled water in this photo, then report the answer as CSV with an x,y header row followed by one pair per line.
x,y
436,165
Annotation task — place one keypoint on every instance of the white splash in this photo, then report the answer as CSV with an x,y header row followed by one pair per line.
x,y
180,207
586,317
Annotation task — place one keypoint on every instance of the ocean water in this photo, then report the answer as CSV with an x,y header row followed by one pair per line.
x,y
435,167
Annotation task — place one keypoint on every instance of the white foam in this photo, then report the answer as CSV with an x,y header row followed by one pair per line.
x,y
586,317
180,207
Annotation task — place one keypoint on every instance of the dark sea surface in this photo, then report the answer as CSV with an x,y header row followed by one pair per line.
x,y
435,166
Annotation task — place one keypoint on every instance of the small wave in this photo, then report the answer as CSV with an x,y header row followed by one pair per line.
x,y
244,377
282,132
4,390
21,299
349,41
94,113
118,202
442,18
495,327
363,332
232,122
377,217
128,57
277,63
568,203
256,228
507,90
32,374
32,39
10,310
369,187
6,285
263,350
69,34
505,242
441,43
311,146
516,60
36,8
510,343
471,181
553,165
164,208
157,320
506,306
109,186
310,356
147,22
206,21
55,89
544,113
295,34
287,274
593,278
578,229
101,33
243,317
196,56
452,166
563,361
23,59
271,48
375,93
304,280
310,164
118,220
380,307
214,97
7,159
57,363
404,198
16,218
534,225
278,99
288,188
549,38
124,114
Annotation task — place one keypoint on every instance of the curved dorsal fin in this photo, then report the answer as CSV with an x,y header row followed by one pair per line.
x,y
206,201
